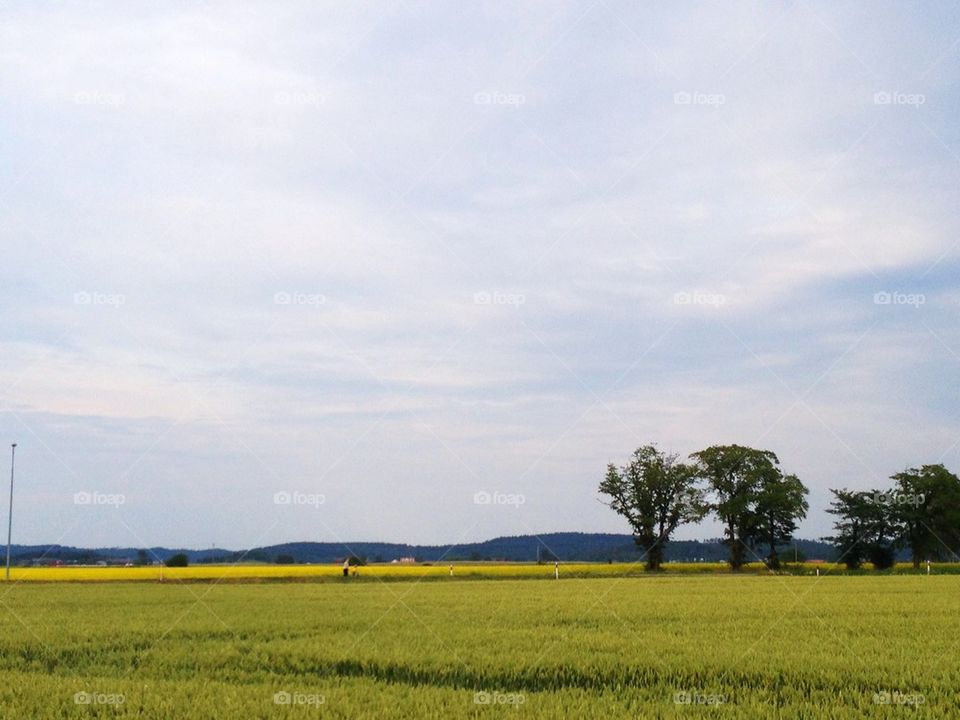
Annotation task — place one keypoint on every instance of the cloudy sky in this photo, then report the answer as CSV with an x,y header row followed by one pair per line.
x,y
292,271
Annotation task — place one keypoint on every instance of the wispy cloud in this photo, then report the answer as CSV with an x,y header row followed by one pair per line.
x,y
399,255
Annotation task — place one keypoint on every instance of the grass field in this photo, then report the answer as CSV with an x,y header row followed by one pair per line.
x,y
670,646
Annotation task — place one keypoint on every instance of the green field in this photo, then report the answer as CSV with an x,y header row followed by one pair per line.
x,y
675,646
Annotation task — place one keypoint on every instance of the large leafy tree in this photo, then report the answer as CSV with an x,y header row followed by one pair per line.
x,y
925,505
656,493
865,528
735,476
781,503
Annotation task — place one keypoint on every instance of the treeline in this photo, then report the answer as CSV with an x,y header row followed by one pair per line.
x,y
742,487
760,506
920,512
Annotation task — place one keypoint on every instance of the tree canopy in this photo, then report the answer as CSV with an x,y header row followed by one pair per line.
x,y
656,493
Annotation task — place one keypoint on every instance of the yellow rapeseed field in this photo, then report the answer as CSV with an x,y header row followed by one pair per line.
x,y
313,572
260,572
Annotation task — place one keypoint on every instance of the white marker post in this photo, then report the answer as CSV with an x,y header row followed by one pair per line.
x,y
928,567
13,452
556,571
451,571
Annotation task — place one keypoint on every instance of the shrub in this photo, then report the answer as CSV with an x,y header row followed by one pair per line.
x,y
178,560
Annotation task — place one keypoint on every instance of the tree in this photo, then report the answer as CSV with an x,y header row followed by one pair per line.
x,y
285,559
781,503
925,504
656,494
142,557
735,475
797,555
866,529
178,560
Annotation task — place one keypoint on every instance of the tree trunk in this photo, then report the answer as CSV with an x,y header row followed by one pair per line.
x,y
736,552
774,562
655,556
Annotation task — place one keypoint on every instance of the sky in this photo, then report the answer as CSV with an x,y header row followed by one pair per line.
x,y
417,272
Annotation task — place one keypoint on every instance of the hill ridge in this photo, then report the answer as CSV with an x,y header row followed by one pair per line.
x,y
564,546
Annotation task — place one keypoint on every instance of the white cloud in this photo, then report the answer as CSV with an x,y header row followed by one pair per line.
x,y
199,162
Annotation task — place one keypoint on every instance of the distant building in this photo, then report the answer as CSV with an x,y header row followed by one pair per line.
x,y
42,562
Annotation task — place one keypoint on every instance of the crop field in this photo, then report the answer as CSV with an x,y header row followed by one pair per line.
x,y
480,570
254,572
718,646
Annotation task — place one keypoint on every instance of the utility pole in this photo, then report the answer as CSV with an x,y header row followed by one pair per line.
x,y
13,455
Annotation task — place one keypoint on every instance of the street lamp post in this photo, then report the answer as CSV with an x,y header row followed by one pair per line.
x,y
13,455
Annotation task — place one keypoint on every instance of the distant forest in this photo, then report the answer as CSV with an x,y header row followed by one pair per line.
x,y
563,546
